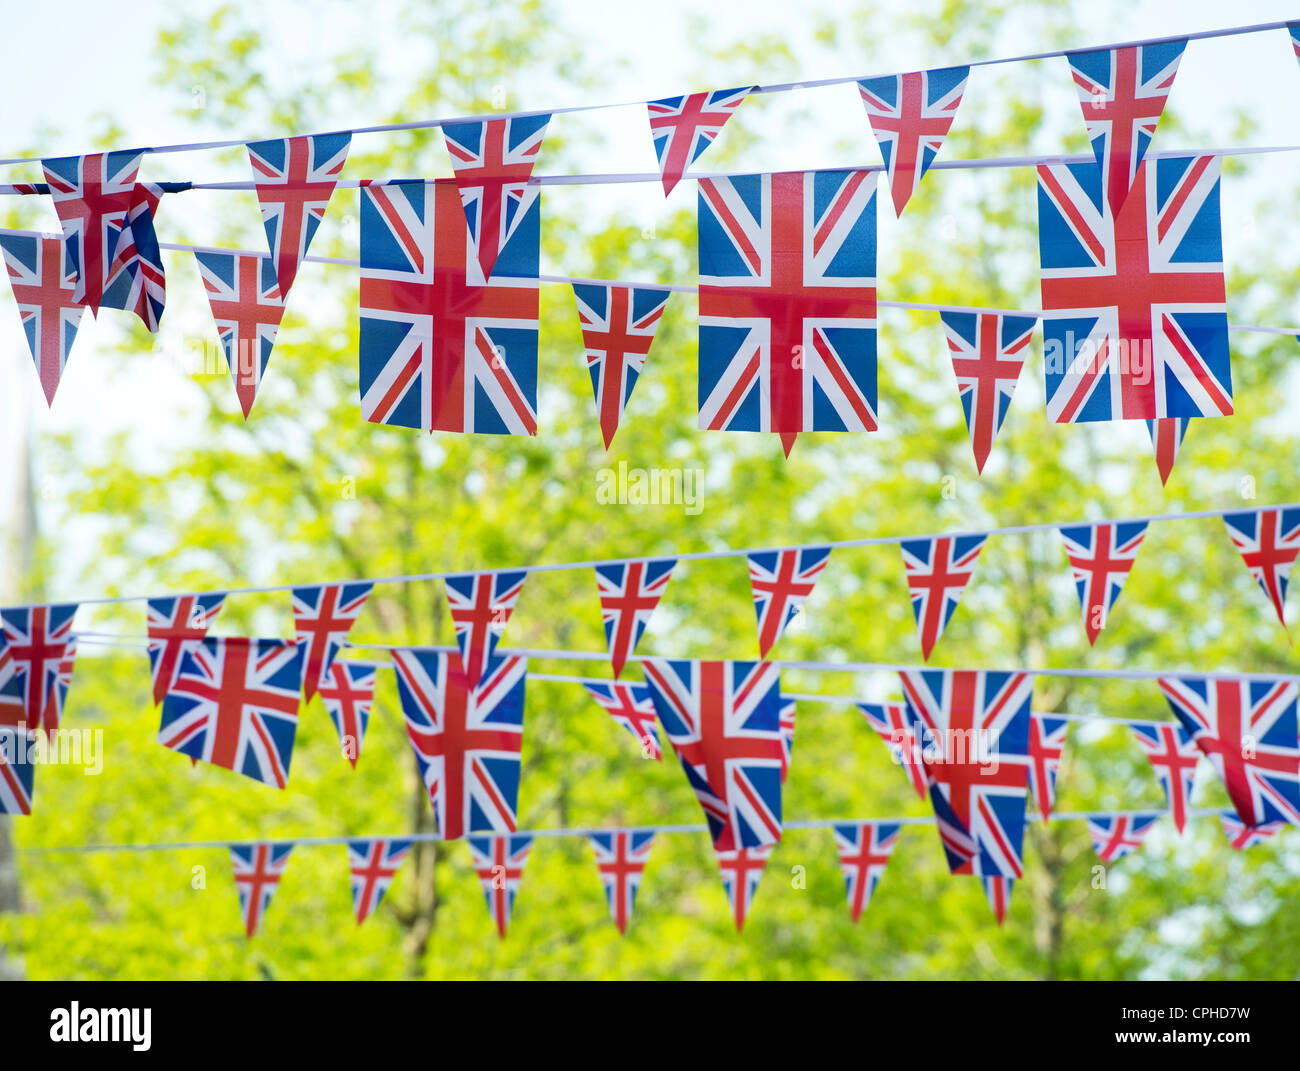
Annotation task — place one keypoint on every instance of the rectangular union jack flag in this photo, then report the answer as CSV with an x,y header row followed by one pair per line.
x,y
258,869
621,859
781,581
1174,756
493,161
234,703
1117,835
441,348
322,616
348,689
247,307
629,593
1046,747
1122,92
43,274
1101,557
988,351
975,744
481,605
372,866
911,115
724,721
1135,318
1268,541
864,849
295,179
172,620
631,706
902,737
466,739
1249,732
499,863
36,663
788,302
17,772
938,570
618,326
683,127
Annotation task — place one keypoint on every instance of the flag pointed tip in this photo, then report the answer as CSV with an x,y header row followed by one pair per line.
x,y
787,441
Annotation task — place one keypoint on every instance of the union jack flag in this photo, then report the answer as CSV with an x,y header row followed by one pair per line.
x,y
17,772
139,283
997,890
1268,540
348,690
911,114
683,127
618,327
322,616
1136,323
481,604
1122,92
631,706
938,570
788,302
172,621
621,859
1293,28
466,739
295,179
372,865
901,736
629,593
1249,732
864,849
788,710
988,351
493,161
975,746
1101,557
36,665
1166,440
1046,744
441,348
1242,837
499,863
247,307
1174,756
43,274
742,869
724,721
1117,835
234,703
781,581
258,869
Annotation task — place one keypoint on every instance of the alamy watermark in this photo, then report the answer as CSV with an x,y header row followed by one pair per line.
x,y
59,747
626,486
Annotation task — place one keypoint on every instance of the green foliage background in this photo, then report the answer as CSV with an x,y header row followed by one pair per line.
x,y
306,490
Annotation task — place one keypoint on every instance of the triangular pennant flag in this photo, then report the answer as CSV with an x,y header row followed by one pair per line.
x,y
621,859
1046,742
172,621
372,865
1174,756
1268,540
138,283
781,581
322,616
864,849
1122,92
938,570
618,326
1101,556
911,114
787,736
631,706
43,274
258,869
466,740
629,593
295,179
348,690
683,127
36,665
724,721
742,869
1117,835
499,863
1242,836
901,737
247,307
997,890
1167,436
988,350
17,772
481,604
1293,30
493,161
234,703
1249,731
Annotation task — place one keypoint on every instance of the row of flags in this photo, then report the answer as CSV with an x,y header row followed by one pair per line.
x,y
1133,291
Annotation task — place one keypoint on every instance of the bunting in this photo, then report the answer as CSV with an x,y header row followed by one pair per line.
x,y
247,307
1101,557
938,570
864,849
481,605
17,772
629,593
43,274
1174,756
621,859
742,869
683,127
322,616
348,690
258,869
1242,836
499,863
1117,835
36,665
780,582
1166,440
631,706
170,623
901,736
372,865
997,890
1046,744
1268,541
